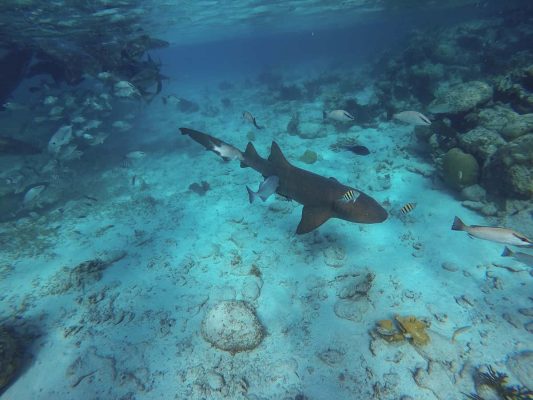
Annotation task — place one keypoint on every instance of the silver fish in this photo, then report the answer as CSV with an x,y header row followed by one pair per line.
x,y
266,189
524,258
33,192
135,155
494,234
412,118
60,138
227,151
338,115
250,118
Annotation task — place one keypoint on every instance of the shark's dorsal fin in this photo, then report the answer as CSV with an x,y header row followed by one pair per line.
x,y
312,218
276,156
249,154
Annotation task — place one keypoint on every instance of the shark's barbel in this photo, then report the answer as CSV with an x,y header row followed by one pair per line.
x,y
323,198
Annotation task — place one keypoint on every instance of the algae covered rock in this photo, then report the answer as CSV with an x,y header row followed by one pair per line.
x,y
461,98
481,142
9,360
509,172
232,326
518,126
459,169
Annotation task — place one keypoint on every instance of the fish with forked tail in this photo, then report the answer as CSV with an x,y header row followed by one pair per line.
x,y
493,234
524,258
323,198
250,118
266,189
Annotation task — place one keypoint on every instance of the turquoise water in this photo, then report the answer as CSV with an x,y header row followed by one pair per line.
x,y
133,265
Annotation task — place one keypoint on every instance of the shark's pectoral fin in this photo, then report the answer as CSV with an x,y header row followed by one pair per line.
x,y
312,218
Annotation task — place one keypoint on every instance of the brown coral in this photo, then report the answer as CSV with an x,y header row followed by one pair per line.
x,y
413,329
386,330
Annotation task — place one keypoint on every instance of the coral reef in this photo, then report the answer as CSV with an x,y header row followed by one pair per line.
x,y
508,172
485,111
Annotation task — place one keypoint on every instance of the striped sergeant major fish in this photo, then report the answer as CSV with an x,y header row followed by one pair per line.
x,y
350,196
407,208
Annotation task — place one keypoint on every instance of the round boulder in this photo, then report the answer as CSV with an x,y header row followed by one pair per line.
x,y
232,326
509,171
459,169
461,98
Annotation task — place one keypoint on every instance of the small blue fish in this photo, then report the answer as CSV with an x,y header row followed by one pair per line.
x,y
266,189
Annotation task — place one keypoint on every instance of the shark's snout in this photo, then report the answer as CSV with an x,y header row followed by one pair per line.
x,y
364,210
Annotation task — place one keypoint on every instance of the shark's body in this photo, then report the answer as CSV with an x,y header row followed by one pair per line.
x,y
321,197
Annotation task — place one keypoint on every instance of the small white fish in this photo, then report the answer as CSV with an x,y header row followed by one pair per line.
x,y
33,192
69,152
12,106
49,100
494,234
227,152
78,120
338,115
60,138
524,258
100,138
135,155
412,118
266,189
125,89
92,124
87,136
122,126
250,118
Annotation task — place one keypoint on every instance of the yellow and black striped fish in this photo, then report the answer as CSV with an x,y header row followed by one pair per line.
x,y
407,208
350,195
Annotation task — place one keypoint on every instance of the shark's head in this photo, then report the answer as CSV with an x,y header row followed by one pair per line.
x,y
363,209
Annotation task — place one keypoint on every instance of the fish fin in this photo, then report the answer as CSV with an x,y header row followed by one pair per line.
x,y
458,225
276,156
250,153
257,126
507,252
312,218
349,116
251,195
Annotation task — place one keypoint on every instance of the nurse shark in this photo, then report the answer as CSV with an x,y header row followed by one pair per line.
x,y
322,198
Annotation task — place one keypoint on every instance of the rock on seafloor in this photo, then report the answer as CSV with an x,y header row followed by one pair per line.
x,y
232,326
